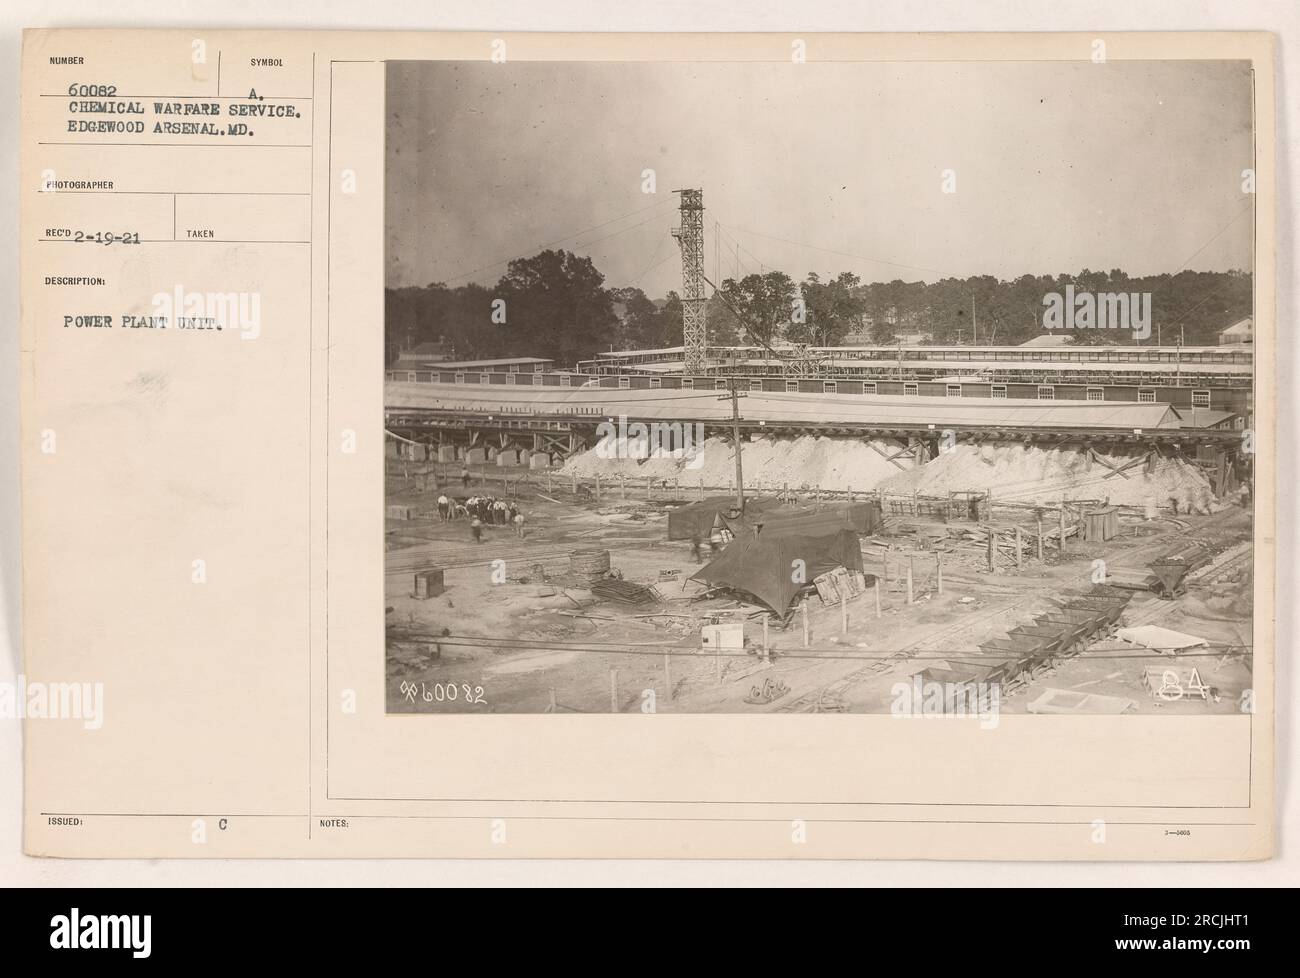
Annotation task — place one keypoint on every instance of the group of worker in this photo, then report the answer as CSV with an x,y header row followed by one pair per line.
x,y
483,510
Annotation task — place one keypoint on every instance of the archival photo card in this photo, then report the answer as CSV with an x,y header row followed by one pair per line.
x,y
727,446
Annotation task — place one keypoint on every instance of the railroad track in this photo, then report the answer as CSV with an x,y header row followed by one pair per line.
x,y
1230,560
815,700
1226,562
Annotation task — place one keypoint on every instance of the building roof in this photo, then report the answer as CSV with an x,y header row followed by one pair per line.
x,y
929,350
475,364
811,410
1242,327
659,351
991,366
1204,417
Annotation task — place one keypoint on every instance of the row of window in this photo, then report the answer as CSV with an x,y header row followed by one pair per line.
x,y
1046,392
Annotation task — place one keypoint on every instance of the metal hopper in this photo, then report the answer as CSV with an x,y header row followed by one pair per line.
x,y
1111,609
999,669
1073,632
1087,621
1171,574
1030,650
1056,636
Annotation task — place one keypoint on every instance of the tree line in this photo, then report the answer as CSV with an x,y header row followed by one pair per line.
x,y
556,305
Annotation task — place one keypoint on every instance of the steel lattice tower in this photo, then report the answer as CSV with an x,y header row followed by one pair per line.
x,y
690,236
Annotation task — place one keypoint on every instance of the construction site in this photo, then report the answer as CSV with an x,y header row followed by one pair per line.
x,y
796,529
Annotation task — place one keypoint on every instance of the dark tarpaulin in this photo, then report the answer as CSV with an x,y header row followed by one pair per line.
x,y
865,515
696,519
765,566
815,524
817,520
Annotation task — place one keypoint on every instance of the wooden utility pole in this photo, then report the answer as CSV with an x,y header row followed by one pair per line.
x,y
734,394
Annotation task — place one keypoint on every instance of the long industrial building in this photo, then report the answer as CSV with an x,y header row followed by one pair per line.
x,y
1190,379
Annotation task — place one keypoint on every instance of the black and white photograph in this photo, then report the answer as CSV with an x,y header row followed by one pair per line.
x,y
859,387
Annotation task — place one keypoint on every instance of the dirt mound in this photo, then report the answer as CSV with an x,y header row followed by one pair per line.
x,y
1012,471
1033,474
807,462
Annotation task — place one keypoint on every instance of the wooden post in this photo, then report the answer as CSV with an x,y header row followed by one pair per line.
x,y
597,487
613,690
701,487
575,483
909,579
676,489
622,486
717,661
803,607
767,648
877,590
993,546
1061,521
844,612
554,708
1040,537
938,570
548,478
668,675
990,500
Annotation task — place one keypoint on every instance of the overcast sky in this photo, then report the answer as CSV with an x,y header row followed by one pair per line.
x,y
819,167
